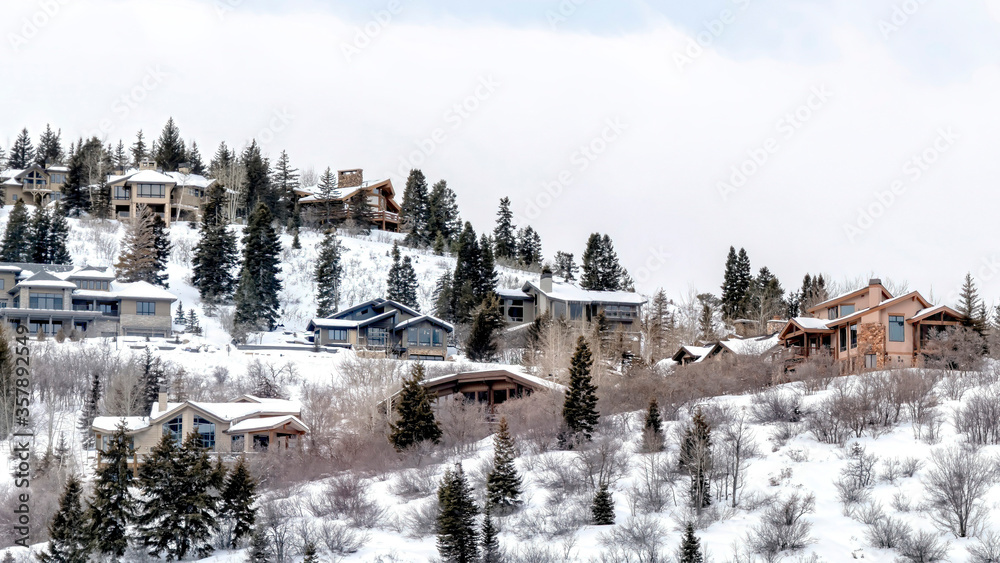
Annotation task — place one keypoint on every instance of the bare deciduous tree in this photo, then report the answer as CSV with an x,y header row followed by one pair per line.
x,y
955,486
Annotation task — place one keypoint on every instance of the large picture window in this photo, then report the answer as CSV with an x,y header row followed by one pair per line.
x,y
337,334
206,432
151,190
122,192
438,337
145,307
896,329
425,337
846,310
854,336
45,301
411,336
376,336
172,428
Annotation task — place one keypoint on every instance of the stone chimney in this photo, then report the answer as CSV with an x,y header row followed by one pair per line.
x,y
546,281
147,164
874,292
349,178
161,402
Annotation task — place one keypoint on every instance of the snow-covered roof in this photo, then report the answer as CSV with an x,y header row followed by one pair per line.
x,y
12,172
537,381
110,423
45,279
697,351
415,320
335,194
143,177
750,346
11,182
333,323
193,180
140,290
234,410
563,291
515,293
810,323
57,169
90,272
266,423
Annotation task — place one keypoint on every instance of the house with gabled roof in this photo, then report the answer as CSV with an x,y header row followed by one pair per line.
x,y
869,328
82,300
384,325
36,184
245,424
352,189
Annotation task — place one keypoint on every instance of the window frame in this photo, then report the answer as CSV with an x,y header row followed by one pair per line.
x,y
206,438
178,434
143,310
899,323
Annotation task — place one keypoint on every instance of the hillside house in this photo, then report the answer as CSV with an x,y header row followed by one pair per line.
x,y
567,301
245,424
756,346
36,185
869,328
174,196
387,326
381,209
488,387
50,298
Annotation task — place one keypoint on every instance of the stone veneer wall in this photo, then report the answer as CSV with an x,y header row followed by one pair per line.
x,y
871,340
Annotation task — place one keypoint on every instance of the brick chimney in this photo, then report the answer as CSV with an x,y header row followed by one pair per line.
x,y
161,402
546,281
874,292
349,178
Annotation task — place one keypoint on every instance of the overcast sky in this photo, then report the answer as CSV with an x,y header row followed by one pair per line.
x,y
846,138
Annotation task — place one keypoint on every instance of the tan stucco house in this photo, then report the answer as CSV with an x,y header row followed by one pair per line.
x,y
869,328
245,424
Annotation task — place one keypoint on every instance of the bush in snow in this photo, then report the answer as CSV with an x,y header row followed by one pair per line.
x,y
924,547
776,405
346,497
858,477
987,550
888,533
639,539
955,486
783,527
979,416
340,540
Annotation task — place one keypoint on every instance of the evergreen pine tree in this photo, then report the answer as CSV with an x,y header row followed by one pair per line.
x,y
50,151
309,553
490,543
439,244
486,279
112,510
444,298
327,193
360,212
415,421
194,161
457,537
260,548
529,247
601,269
152,379
503,483
237,506
139,150
68,541
696,459
296,245
327,275
970,305
414,210
161,247
467,285
121,159
602,510
192,325
22,153
17,241
257,292
90,411
564,266
169,151
580,406
58,235
180,319
76,198
487,323
40,227
402,282
137,260
285,181
504,241
653,428
690,550
257,184
3,159
442,213
215,254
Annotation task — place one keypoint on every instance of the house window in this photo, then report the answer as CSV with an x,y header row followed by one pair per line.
x,y
152,190
108,309
45,301
425,337
3,282
871,361
854,336
846,310
236,445
411,336
576,311
896,332
438,340
122,192
376,336
173,427
831,313
516,310
13,198
58,178
843,338
337,334
206,432
145,307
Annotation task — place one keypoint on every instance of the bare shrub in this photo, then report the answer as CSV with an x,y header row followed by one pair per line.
x,y
534,420
340,540
891,470
979,417
776,405
900,502
275,518
816,373
416,483
987,550
910,466
604,462
825,425
869,514
561,516
955,486
534,554
736,447
857,477
924,547
654,489
554,473
639,539
463,423
888,533
783,527
421,520
345,496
